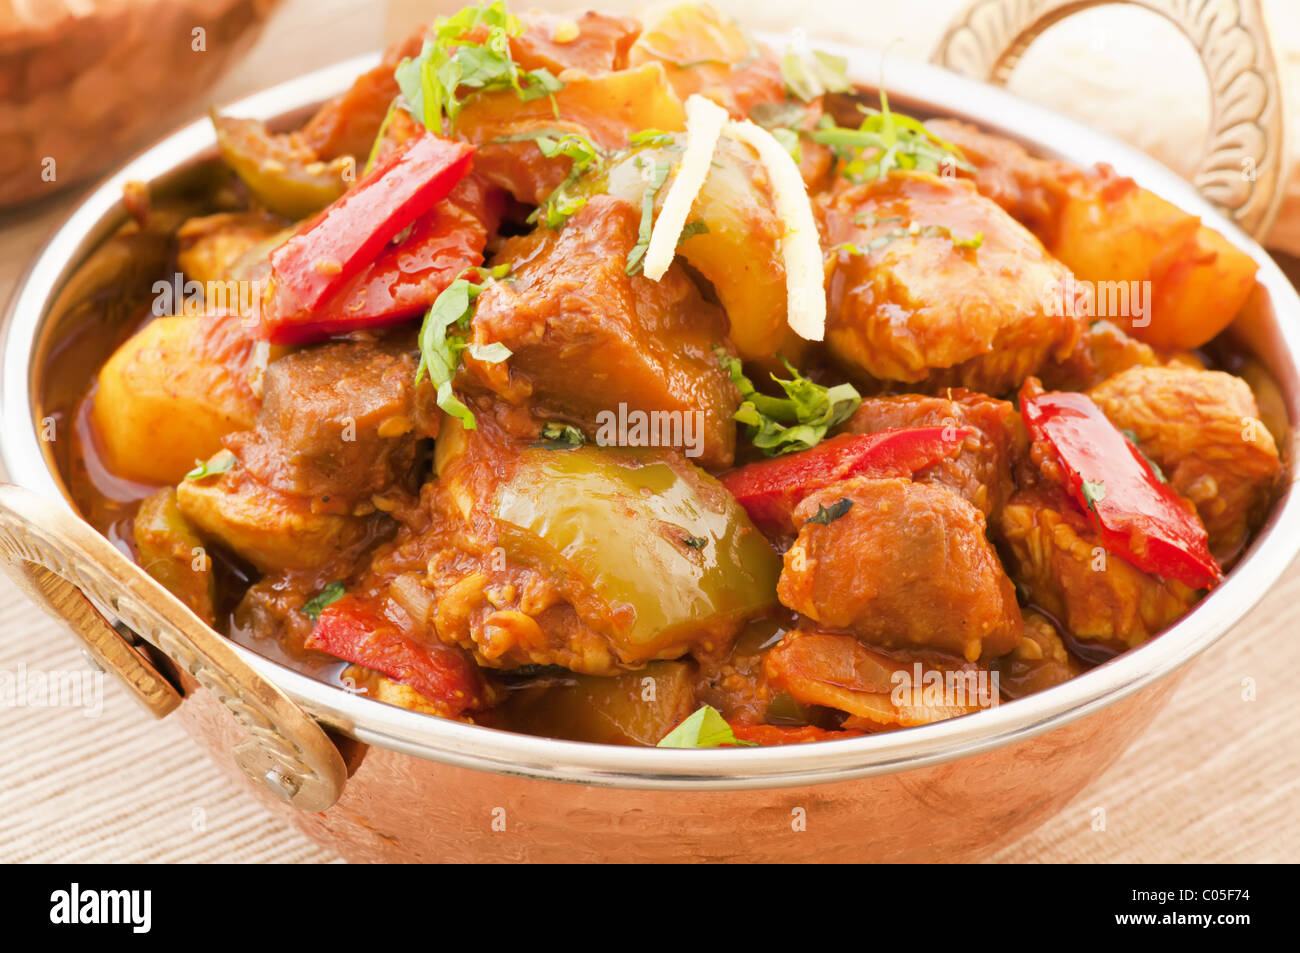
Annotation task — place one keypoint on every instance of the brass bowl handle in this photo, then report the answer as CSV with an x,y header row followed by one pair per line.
x,y
77,576
1241,171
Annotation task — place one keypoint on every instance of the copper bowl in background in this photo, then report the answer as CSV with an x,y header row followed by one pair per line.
x,y
375,782
83,82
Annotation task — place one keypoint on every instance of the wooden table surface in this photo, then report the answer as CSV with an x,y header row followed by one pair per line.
x,y
1216,777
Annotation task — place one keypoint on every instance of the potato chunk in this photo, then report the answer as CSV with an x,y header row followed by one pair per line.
x,y
736,245
170,393
1109,230
707,52
928,281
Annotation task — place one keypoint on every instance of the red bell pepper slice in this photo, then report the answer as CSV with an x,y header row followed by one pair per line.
x,y
1139,517
352,232
770,489
443,674
406,278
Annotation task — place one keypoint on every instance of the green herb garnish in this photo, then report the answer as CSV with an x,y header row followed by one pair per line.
x,y
1155,467
218,463
448,63
706,728
1094,491
828,514
812,73
886,141
658,176
651,137
442,339
691,229
798,421
695,542
558,436
562,203
788,115
331,594
911,231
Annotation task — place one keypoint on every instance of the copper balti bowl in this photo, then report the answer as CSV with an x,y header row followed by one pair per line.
x,y
376,782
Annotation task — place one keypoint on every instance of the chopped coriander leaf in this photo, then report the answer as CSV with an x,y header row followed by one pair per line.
x,y
691,229
812,73
218,463
1155,467
331,594
584,153
493,353
826,515
911,231
657,178
650,137
448,63
1094,491
558,436
442,339
886,141
706,728
868,219
798,421
787,115
695,542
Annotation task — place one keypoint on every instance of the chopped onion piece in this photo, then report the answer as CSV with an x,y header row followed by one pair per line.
x,y
704,122
805,281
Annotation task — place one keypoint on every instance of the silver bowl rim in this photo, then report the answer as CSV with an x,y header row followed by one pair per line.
x,y
912,85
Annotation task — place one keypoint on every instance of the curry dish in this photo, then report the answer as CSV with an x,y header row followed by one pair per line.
x,y
632,382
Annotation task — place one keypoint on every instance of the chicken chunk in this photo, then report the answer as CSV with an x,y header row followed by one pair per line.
x,y
271,530
338,423
586,338
1104,349
903,565
1038,662
931,283
595,559
1057,557
1030,189
1203,430
981,472
209,247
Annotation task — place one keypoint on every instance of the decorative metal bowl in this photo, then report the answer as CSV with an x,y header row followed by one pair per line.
x,y
376,782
